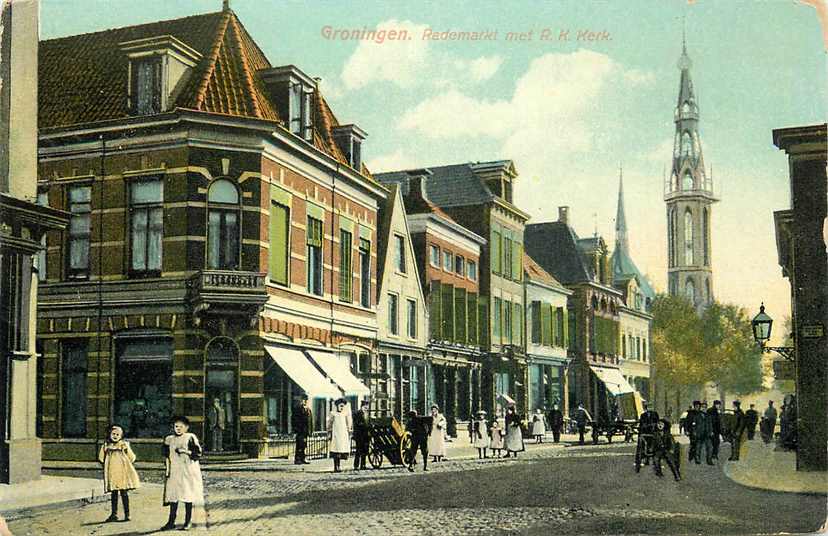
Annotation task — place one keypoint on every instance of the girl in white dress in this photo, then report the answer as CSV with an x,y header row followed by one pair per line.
x,y
497,438
538,426
183,481
437,439
118,470
480,434
514,434
339,433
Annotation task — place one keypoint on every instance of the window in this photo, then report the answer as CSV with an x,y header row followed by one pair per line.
x,y
80,206
399,253
517,260
314,255
365,272
624,346
496,252
356,154
300,103
74,368
15,306
507,258
460,265
447,261
393,314
690,291
40,259
688,238
471,270
412,318
560,318
536,323
686,145
223,226
687,184
222,360
147,225
507,322
143,384
279,243
496,321
517,320
346,269
414,377
434,256
146,88
307,107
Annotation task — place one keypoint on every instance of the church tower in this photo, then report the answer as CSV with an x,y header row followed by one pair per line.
x,y
688,193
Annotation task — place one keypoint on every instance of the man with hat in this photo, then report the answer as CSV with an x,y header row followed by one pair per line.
x,y
714,415
361,435
648,425
689,425
739,425
419,428
302,424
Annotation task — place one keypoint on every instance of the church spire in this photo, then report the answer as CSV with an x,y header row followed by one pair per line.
x,y
621,240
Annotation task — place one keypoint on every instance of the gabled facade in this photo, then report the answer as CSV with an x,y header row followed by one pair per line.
x,y
222,245
405,375
478,196
582,265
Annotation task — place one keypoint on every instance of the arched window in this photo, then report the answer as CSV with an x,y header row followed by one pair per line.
x,y
223,226
687,184
686,144
688,238
706,235
685,109
690,291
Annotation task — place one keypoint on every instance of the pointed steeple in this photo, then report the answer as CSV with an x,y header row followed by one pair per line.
x,y
621,240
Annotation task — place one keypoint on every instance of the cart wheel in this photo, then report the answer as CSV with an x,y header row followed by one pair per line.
x,y
405,449
375,458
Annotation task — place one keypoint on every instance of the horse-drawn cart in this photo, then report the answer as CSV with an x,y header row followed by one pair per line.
x,y
625,423
388,439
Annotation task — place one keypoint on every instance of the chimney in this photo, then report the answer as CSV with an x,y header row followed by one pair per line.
x,y
563,215
417,179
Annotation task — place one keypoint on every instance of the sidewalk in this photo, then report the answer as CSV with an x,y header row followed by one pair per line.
x,y
49,490
762,466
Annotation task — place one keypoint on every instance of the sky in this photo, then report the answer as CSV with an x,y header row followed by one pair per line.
x,y
569,112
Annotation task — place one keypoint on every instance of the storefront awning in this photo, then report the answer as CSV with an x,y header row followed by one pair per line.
x,y
506,398
300,369
612,378
339,371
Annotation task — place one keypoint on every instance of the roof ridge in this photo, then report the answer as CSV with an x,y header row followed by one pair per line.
x,y
116,28
211,65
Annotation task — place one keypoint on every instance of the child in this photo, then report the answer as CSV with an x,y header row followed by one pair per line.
x,y
666,448
118,472
183,473
497,438
538,426
481,435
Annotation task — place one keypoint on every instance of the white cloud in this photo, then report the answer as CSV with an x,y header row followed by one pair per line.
x,y
392,161
485,67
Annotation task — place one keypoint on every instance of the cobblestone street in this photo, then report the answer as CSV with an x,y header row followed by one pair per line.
x,y
548,490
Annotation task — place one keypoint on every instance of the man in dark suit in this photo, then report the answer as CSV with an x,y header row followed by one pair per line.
x,y
689,424
739,425
420,429
302,424
714,415
752,419
361,436
556,422
648,424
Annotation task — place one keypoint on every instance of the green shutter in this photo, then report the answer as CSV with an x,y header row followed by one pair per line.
x,y
536,323
447,302
617,336
460,315
565,341
483,321
434,310
495,252
507,256
471,300
517,323
497,320
279,227
280,196
546,325
346,269
315,211
517,261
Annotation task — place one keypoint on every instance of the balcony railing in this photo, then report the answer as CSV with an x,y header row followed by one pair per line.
x,y
230,280
227,291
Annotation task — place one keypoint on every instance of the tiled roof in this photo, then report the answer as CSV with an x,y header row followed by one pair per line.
x,y
554,246
449,186
83,78
536,273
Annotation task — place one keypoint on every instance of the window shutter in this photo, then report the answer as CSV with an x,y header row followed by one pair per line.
x,y
565,335
460,315
536,323
471,300
546,325
617,336
517,323
507,256
448,312
279,225
346,270
483,321
497,319
495,252
517,261
434,310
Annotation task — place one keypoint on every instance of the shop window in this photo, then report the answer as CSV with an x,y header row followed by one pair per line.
x,y
222,358
74,368
223,226
143,382
277,390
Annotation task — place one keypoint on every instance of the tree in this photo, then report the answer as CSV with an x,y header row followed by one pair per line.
x,y
730,355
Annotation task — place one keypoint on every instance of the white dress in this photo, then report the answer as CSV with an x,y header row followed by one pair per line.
x,y
497,438
339,425
437,439
184,482
514,439
481,435
538,426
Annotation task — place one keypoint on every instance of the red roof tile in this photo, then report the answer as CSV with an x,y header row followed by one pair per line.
x,y
536,273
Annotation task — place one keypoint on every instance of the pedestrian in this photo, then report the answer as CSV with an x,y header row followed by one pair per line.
x,y
689,423
216,422
362,437
788,438
437,437
665,448
302,424
339,428
496,441
752,419
183,481
514,434
419,429
768,422
538,426
582,418
739,425
556,422
647,427
714,415
481,434
702,430
118,470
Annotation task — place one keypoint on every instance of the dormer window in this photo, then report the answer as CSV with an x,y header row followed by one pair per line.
x,y
158,68
291,91
349,139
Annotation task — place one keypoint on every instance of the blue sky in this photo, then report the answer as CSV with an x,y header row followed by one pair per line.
x,y
568,112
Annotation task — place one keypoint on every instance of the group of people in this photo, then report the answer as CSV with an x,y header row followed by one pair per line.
x,y
490,436
182,472
660,445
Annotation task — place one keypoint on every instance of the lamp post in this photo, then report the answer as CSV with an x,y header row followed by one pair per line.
x,y
762,324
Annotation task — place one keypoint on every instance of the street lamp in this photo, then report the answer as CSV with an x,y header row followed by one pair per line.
x,y
761,325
